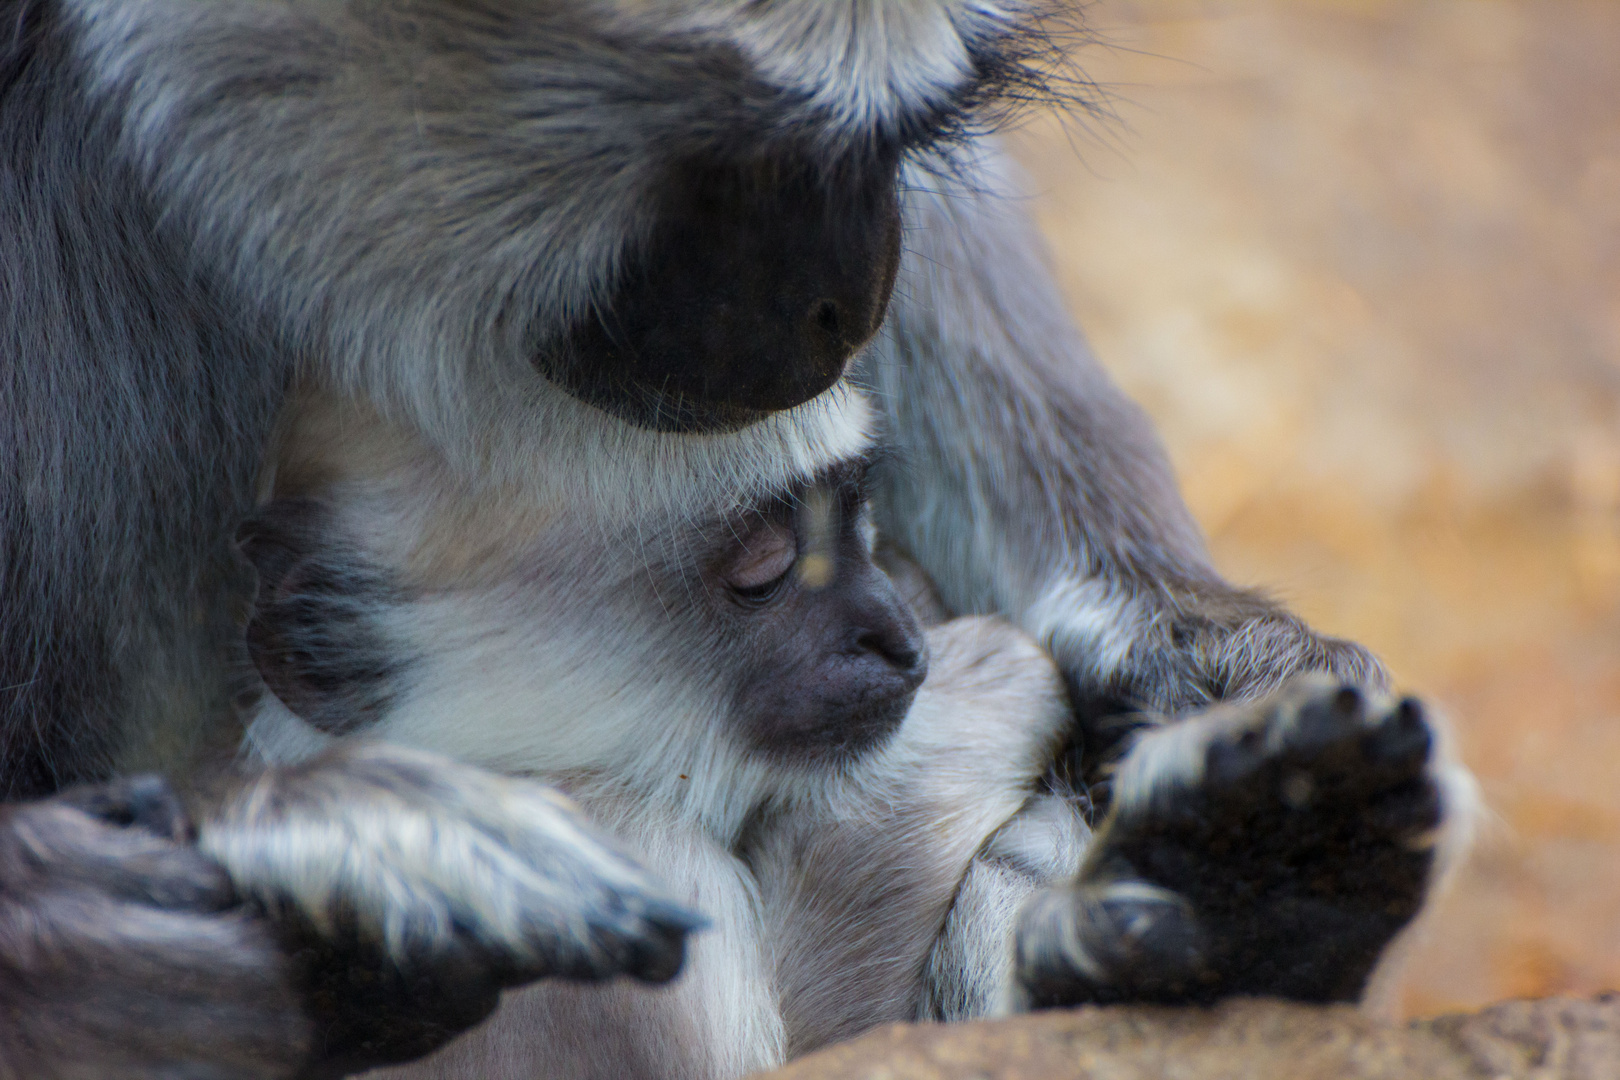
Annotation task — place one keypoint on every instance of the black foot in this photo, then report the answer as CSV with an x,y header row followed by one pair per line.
x,y
1271,848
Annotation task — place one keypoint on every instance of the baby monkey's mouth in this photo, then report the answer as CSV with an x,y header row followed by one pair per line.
x,y
837,654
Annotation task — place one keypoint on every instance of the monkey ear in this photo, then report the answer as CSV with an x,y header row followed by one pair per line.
x,y
316,630
281,535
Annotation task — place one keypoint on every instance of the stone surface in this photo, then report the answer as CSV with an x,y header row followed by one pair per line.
x,y
1552,1039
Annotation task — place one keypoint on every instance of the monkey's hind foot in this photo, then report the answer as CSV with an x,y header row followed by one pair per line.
x,y
411,890
1270,848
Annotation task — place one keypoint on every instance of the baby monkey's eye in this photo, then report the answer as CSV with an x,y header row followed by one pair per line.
x,y
761,561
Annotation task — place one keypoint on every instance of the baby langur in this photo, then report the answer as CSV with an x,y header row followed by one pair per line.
x,y
726,681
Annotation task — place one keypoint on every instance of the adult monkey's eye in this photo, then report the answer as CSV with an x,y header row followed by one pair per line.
x,y
761,561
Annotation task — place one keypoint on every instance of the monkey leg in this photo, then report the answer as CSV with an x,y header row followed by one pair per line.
x,y
1271,848
410,890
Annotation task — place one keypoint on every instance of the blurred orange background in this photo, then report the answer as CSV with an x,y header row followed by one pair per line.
x,y
1362,263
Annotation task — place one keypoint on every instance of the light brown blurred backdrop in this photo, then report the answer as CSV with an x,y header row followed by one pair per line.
x,y
1362,263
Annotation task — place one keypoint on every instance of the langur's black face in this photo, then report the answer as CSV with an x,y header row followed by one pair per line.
x,y
827,655
760,281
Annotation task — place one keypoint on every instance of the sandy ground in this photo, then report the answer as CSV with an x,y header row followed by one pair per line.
x,y
1362,263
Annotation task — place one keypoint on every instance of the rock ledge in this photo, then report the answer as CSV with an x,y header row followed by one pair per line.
x,y
1550,1039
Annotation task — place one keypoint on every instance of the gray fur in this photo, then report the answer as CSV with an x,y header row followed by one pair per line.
x,y
135,402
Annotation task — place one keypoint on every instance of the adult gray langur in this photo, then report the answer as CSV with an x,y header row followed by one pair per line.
x,y
641,241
